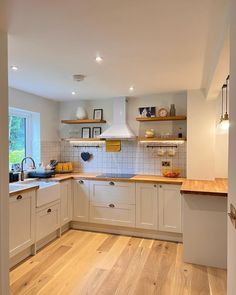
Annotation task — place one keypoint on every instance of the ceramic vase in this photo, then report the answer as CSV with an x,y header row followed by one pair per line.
x,y
81,113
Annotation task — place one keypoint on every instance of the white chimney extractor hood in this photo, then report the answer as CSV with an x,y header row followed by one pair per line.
x,y
119,128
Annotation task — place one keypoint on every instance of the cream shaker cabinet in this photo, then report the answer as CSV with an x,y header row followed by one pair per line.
x,y
81,200
66,201
147,206
48,219
158,207
21,221
112,203
170,208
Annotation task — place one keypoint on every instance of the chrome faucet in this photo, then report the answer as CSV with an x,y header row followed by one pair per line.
x,y
22,176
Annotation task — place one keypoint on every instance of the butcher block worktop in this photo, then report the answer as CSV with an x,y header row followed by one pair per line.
x,y
136,178
217,187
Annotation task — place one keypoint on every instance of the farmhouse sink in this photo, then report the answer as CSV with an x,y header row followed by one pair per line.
x,y
48,191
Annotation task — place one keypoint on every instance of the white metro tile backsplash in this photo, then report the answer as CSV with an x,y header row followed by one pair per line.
x,y
133,158
50,150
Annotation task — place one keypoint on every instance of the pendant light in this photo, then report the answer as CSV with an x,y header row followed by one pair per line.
x,y
224,120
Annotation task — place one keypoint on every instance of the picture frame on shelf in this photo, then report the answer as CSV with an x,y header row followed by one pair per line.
x,y
98,114
86,132
147,112
96,132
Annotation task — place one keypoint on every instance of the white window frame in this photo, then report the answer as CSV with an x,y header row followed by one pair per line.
x,y
29,127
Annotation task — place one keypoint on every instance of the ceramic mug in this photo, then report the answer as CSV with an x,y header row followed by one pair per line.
x,y
171,152
161,152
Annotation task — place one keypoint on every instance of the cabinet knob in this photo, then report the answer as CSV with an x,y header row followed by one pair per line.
x,y
155,185
81,181
160,186
111,183
49,210
19,197
111,205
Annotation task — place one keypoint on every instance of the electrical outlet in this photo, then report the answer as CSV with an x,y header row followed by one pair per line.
x,y
165,163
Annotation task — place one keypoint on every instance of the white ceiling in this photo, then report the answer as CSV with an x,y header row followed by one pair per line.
x,y
155,45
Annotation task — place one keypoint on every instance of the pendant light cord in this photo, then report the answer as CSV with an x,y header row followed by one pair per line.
x,y
226,103
222,102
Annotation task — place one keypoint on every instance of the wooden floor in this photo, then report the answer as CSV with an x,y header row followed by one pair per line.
x,y
94,263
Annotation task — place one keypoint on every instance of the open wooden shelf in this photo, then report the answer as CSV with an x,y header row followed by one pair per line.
x,y
160,139
153,119
85,121
83,139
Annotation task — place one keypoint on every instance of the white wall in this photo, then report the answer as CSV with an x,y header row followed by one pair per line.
x,y
221,146
4,178
68,111
48,109
232,155
200,136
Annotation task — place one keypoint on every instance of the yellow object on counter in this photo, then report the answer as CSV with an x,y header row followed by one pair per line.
x,y
65,167
113,146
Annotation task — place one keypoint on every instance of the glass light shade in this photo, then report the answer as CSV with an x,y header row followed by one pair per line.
x,y
224,124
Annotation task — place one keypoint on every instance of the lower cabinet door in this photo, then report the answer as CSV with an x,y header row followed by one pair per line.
x,y
146,206
21,222
47,220
170,208
66,201
81,200
122,215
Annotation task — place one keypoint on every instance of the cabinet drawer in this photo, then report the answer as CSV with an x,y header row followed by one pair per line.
x,y
47,220
112,192
105,213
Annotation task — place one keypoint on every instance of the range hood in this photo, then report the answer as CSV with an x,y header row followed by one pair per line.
x,y
119,128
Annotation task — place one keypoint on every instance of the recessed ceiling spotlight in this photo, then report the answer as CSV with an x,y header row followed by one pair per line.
x,y
99,59
73,93
14,68
131,88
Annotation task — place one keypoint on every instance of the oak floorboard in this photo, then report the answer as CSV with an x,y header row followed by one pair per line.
x,y
67,278
89,263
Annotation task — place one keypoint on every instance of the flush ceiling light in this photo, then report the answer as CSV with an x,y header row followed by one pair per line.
x,y
224,119
131,88
14,68
99,59
73,93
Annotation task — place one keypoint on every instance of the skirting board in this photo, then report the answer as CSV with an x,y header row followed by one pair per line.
x,y
118,230
157,235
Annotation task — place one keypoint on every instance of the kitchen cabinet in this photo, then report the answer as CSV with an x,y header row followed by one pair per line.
x,y
147,206
170,211
112,203
21,221
48,219
81,200
66,201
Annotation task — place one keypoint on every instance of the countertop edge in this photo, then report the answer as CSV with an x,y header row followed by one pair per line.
x,y
136,178
205,193
23,190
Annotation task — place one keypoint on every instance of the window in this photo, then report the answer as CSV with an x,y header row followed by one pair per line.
x,y
20,135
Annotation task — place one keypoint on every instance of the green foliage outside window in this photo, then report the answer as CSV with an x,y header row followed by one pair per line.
x,y
17,139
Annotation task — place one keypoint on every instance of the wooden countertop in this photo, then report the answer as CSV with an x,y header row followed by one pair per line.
x,y
136,178
15,189
217,187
